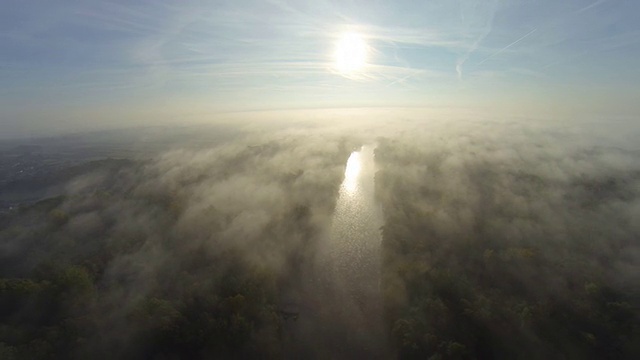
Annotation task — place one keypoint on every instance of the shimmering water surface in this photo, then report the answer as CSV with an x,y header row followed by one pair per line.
x,y
340,301
354,243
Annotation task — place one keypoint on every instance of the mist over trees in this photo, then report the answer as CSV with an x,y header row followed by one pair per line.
x,y
510,242
182,256
500,240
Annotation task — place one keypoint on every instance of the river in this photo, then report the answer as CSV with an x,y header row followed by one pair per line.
x,y
341,310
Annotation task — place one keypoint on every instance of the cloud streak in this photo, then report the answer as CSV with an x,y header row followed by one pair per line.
x,y
102,54
591,6
506,47
481,21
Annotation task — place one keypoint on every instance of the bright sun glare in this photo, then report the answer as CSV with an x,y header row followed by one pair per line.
x,y
351,173
351,53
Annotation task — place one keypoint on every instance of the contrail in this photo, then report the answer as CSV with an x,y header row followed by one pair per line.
x,y
597,3
402,78
506,47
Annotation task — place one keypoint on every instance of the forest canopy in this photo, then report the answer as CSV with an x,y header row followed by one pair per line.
x,y
518,243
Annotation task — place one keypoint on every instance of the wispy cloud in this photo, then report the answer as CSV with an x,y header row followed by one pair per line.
x,y
591,6
64,51
506,47
485,20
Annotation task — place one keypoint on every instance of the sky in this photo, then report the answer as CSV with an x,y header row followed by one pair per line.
x,y
72,65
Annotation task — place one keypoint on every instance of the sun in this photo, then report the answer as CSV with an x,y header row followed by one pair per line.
x,y
350,54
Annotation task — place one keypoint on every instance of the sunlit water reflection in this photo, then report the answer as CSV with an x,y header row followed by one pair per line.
x,y
354,255
354,243
351,175
341,304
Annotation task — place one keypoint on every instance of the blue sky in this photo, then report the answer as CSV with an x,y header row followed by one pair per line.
x,y
66,65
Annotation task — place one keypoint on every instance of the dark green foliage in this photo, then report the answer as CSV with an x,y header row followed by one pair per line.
x,y
57,309
469,273
140,264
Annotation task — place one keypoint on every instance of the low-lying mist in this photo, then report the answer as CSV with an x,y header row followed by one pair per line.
x,y
510,241
500,240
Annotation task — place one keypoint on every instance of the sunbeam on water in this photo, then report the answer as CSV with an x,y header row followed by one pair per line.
x,y
340,303
355,235
354,255
351,173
